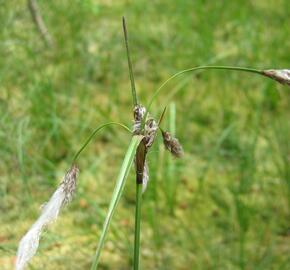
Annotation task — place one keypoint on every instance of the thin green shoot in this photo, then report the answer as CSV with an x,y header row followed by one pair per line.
x,y
162,116
157,92
172,179
94,133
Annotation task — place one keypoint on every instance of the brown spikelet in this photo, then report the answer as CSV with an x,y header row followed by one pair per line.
x,y
151,128
140,159
139,112
280,75
172,144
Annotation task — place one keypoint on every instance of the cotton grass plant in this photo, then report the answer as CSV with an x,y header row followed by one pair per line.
x,y
50,211
143,134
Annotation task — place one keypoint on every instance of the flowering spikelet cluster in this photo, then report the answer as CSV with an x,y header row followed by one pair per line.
x,y
172,144
139,113
280,75
149,134
151,128
62,196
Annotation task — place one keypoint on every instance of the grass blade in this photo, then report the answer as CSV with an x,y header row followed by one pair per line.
x,y
92,136
127,162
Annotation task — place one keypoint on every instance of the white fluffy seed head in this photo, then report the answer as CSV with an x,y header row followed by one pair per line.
x,y
28,245
280,75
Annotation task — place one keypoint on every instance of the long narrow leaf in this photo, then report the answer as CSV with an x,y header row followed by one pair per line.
x,y
125,168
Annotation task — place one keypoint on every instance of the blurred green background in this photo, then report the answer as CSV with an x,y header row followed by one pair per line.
x,y
225,205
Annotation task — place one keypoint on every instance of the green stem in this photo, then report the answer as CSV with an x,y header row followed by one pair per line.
x,y
137,225
157,92
93,134
133,88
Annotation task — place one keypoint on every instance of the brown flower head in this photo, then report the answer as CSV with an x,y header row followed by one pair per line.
x,y
139,113
172,144
151,128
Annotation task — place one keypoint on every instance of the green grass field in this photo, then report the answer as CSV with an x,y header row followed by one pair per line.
x,y
224,205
